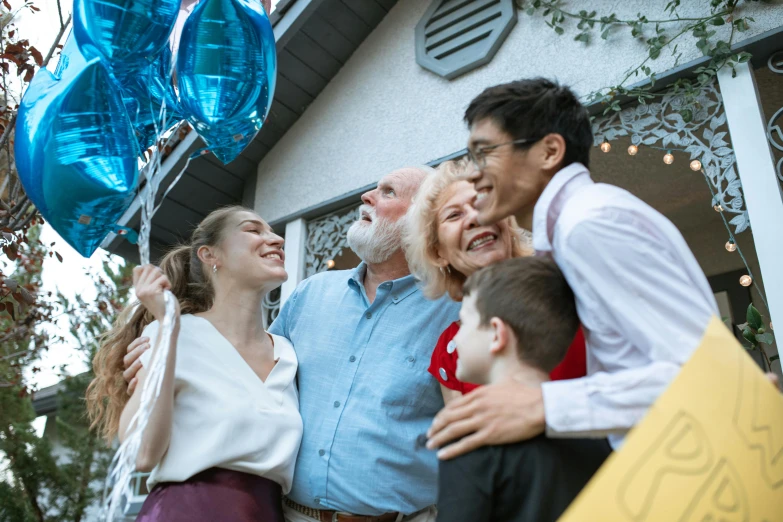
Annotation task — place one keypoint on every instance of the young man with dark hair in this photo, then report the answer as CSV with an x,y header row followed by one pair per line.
x,y
518,318
642,298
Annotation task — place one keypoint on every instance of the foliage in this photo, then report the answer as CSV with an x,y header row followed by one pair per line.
x,y
756,334
658,36
40,484
21,309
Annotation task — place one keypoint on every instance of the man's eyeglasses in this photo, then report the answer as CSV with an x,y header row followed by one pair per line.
x,y
479,156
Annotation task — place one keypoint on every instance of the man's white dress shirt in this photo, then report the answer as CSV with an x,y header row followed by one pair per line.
x,y
642,298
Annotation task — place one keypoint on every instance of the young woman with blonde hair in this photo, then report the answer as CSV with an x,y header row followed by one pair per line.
x,y
225,430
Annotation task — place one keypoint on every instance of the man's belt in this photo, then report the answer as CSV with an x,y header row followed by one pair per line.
x,y
327,515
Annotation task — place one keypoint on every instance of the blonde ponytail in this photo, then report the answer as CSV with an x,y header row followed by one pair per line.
x,y
107,393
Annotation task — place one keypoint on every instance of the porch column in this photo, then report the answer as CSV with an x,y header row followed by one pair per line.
x,y
295,251
756,166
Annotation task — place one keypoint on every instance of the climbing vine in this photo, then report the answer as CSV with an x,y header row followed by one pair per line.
x,y
659,34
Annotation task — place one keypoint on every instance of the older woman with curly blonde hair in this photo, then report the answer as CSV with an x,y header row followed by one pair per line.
x,y
445,245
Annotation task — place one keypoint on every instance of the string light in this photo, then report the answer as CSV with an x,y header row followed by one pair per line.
x,y
746,280
330,264
731,246
668,158
695,165
606,146
632,150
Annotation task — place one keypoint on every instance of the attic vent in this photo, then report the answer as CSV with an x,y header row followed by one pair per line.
x,y
456,36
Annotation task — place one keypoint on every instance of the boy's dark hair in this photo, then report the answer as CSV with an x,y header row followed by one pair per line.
x,y
532,297
533,108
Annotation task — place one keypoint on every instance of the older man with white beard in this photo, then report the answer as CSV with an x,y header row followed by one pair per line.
x,y
364,338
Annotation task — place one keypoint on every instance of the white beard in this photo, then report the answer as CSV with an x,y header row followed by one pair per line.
x,y
375,242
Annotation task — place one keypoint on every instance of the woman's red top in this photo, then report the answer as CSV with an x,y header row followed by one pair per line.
x,y
443,365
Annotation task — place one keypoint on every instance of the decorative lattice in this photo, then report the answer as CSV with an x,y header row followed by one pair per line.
x,y
326,238
704,137
774,133
271,306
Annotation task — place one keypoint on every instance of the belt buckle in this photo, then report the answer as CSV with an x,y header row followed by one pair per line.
x,y
337,514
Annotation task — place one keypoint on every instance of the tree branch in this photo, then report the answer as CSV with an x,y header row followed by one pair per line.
x,y
7,131
49,55
60,12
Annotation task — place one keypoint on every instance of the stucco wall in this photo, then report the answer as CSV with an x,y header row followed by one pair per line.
x,y
383,111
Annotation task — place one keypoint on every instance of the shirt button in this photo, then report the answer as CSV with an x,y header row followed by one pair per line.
x,y
336,404
443,374
368,315
411,359
352,358
321,452
451,346
396,298
317,500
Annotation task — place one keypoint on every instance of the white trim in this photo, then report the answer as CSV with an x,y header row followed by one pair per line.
x,y
293,20
295,239
756,167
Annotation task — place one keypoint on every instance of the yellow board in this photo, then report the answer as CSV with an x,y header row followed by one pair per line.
x,y
709,450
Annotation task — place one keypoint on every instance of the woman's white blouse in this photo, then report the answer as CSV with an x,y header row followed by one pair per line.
x,y
225,416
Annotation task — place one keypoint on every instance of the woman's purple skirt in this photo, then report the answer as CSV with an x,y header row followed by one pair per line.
x,y
215,495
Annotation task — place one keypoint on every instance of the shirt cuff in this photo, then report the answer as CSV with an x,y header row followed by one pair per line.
x,y
566,408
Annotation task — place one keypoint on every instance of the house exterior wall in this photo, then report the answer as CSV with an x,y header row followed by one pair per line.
x,y
383,111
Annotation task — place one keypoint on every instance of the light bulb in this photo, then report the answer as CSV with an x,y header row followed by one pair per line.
x,y
606,147
731,246
632,150
746,280
668,158
330,264
717,207
695,165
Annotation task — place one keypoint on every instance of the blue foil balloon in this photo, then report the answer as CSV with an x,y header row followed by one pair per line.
x,y
226,70
75,150
144,91
124,31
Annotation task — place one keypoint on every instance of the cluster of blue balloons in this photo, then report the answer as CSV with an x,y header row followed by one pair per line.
x,y
81,130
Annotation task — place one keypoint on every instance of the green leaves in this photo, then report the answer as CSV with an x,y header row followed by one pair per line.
x,y
755,333
741,24
656,35
766,338
583,37
753,317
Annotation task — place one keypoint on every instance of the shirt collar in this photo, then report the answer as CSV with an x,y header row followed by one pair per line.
x,y
543,214
401,288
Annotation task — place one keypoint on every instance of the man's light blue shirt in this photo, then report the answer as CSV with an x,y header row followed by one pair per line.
x,y
364,391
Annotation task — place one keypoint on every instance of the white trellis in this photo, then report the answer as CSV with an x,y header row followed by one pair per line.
x,y
705,137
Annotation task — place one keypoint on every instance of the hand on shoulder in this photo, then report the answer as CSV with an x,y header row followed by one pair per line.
x,y
500,413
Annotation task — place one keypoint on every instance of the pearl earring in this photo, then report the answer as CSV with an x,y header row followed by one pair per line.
x,y
214,269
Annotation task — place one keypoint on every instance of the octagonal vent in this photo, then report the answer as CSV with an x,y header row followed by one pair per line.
x,y
456,36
